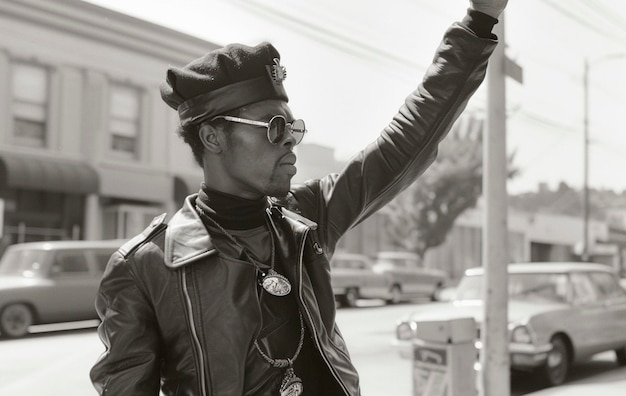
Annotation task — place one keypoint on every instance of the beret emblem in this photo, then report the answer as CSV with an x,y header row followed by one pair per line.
x,y
279,73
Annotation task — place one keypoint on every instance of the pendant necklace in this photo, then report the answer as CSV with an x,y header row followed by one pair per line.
x,y
271,281
291,385
276,285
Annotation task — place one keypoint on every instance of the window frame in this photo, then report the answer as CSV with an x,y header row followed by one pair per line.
x,y
21,104
119,119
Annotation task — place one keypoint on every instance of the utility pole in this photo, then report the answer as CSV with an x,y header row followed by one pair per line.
x,y
585,250
585,253
494,358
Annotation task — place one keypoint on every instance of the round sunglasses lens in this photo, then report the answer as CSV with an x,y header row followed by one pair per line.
x,y
297,130
276,129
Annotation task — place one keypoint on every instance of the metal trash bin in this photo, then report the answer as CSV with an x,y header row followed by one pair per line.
x,y
443,358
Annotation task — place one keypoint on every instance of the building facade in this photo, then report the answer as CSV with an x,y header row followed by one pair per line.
x,y
88,149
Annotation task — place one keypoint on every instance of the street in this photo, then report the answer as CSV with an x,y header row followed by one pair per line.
x,y
56,362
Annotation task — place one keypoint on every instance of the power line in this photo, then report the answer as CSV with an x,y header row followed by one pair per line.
x,y
606,13
583,21
329,37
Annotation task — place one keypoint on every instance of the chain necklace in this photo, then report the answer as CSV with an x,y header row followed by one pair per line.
x,y
277,285
273,282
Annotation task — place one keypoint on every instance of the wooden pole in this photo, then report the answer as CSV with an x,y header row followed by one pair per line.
x,y
495,373
585,250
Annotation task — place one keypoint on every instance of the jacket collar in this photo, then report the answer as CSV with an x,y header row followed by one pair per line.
x,y
187,240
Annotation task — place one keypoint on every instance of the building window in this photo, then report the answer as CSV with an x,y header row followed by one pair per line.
x,y
30,103
124,122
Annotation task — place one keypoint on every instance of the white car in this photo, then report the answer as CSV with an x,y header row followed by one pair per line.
x,y
558,314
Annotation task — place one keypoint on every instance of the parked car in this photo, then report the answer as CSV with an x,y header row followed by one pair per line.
x,y
410,279
559,314
50,282
352,277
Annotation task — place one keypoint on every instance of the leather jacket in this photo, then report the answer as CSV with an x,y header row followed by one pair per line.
x,y
178,316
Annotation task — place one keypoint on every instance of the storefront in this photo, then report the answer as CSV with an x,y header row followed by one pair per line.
x,y
44,198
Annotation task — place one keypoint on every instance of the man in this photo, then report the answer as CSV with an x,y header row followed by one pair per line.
x,y
232,296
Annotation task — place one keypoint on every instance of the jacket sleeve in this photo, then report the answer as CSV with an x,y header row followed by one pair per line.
x,y
130,364
407,146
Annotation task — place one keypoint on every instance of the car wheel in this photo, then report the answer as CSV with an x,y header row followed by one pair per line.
x,y
556,368
351,297
15,320
621,356
395,295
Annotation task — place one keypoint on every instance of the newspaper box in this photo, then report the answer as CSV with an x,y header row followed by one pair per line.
x,y
444,357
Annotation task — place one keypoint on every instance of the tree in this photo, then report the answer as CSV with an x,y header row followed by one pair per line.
x,y
421,216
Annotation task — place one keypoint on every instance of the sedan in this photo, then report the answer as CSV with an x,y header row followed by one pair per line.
x,y
353,278
409,277
50,282
559,314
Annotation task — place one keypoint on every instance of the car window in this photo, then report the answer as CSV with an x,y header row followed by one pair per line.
x,y
606,285
583,288
338,263
69,263
548,287
470,288
532,286
386,264
28,263
349,263
358,264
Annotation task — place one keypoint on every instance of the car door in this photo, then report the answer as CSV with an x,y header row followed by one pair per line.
x,y
414,281
375,285
613,299
589,316
74,286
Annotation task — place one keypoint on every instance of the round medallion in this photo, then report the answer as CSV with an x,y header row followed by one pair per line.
x,y
276,284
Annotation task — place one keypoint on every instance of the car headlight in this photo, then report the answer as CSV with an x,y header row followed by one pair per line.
x,y
405,331
521,334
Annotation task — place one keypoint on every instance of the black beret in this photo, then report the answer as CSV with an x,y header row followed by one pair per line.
x,y
224,79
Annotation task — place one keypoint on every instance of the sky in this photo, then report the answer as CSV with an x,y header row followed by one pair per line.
x,y
351,63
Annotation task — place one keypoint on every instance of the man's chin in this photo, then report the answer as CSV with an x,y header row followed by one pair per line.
x,y
279,191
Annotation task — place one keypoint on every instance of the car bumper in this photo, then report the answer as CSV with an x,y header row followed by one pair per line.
x,y
528,356
522,356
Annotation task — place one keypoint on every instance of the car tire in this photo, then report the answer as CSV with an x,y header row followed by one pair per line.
x,y
395,295
620,354
557,364
15,319
350,298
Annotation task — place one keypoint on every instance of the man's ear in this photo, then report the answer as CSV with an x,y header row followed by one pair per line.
x,y
211,138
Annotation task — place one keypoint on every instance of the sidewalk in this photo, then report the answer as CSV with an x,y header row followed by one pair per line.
x,y
612,383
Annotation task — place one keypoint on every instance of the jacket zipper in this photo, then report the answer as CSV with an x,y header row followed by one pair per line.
x,y
196,339
308,314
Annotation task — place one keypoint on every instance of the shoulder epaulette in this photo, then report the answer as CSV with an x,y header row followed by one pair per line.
x,y
156,225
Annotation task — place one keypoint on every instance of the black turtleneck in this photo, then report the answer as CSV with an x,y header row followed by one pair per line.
x,y
230,211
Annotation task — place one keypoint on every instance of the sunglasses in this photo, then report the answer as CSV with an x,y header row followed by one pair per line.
x,y
276,127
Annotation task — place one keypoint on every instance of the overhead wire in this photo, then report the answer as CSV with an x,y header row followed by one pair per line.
x,y
362,50
583,21
605,13
330,37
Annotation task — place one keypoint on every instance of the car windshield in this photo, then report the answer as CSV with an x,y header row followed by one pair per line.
x,y
27,263
538,286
